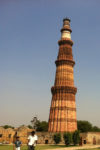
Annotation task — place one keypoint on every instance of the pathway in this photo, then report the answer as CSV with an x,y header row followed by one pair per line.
x,y
77,147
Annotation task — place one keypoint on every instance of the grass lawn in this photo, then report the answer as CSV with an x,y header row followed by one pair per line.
x,y
38,147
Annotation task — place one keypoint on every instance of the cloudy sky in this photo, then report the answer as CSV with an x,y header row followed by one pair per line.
x,y
29,32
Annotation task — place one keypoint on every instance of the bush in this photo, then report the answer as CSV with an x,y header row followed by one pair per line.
x,y
57,138
67,138
76,137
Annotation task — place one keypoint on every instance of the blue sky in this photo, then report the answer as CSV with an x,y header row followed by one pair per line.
x,y
29,32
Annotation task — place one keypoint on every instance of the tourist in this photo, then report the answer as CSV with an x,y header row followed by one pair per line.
x,y
17,143
32,141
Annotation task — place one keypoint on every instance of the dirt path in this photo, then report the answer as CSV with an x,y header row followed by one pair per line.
x,y
77,147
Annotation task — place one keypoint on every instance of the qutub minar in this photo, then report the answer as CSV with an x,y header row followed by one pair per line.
x,y
62,117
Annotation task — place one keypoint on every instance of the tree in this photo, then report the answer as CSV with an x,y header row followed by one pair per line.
x,y
42,126
84,126
76,137
95,129
30,127
38,125
8,126
57,138
67,138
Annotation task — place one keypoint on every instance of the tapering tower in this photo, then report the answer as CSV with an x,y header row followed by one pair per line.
x,y
62,117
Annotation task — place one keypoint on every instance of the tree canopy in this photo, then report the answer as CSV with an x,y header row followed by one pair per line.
x,y
86,126
8,126
42,126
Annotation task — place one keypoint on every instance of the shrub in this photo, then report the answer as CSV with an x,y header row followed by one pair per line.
x,y
67,138
76,137
57,138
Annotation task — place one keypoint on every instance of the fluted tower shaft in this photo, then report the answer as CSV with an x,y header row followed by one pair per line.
x,y
62,117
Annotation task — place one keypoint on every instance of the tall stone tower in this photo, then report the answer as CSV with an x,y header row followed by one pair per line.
x,y
62,116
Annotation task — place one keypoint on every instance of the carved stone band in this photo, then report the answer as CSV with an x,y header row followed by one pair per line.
x,y
63,108
65,61
63,120
65,41
63,89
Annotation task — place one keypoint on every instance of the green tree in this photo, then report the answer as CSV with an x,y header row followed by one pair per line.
x,y
30,127
8,126
38,125
76,137
42,126
95,129
57,138
84,126
67,138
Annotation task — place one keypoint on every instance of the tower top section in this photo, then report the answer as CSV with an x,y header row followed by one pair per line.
x,y
66,30
66,19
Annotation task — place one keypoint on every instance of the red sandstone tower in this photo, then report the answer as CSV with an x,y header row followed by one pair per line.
x,y
62,116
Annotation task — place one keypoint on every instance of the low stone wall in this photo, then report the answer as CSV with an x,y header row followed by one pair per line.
x,y
8,136
90,138
47,138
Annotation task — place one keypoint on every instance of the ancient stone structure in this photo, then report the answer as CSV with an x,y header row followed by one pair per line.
x,y
62,116
8,136
90,138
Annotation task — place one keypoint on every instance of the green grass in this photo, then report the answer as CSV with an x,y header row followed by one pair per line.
x,y
38,147
6,147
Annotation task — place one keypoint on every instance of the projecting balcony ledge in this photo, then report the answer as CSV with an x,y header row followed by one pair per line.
x,y
66,28
63,89
65,61
65,41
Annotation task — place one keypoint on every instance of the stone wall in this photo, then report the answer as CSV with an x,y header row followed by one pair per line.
x,y
90,138
8,136
45,138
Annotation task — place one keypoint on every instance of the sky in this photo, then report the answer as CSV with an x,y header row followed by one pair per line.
x,y
29,34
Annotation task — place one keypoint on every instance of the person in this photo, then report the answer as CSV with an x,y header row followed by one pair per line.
x,y
32,141
17,143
